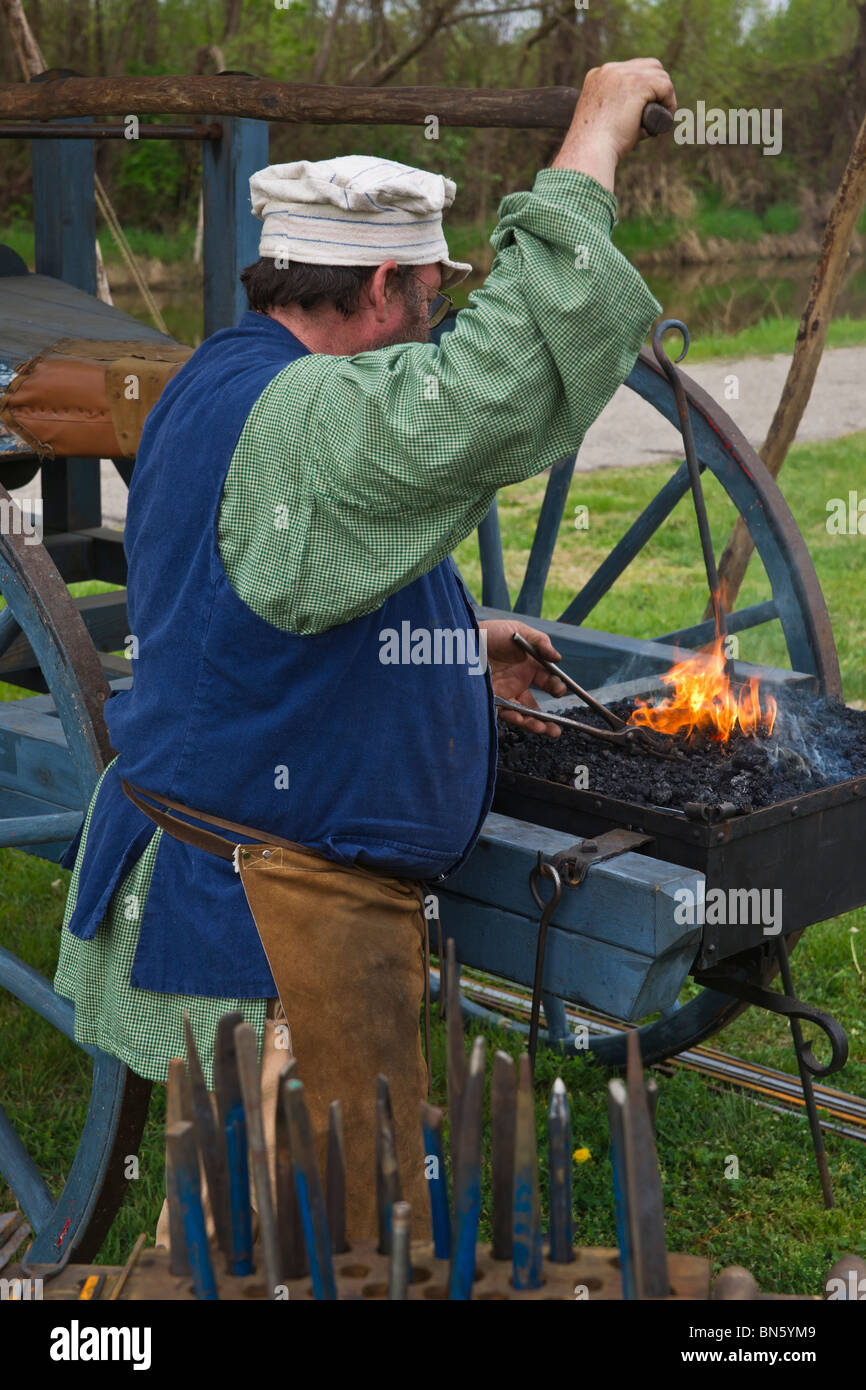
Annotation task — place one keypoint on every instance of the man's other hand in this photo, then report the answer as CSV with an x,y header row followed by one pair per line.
x,y
607,118
513,671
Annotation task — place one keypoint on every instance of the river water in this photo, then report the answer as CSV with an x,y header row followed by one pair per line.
x,y
710,299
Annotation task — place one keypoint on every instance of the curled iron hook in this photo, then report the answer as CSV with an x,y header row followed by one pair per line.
x,y
659,332
542,869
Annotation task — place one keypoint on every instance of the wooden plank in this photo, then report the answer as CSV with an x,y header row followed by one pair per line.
x,y
231,232
34,758
64,213
37,310
627,901
577,967
18,831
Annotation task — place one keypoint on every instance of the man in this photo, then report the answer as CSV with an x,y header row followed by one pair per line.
x,y
299,488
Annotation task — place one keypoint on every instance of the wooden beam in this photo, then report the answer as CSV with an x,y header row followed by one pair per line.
x,y
268,100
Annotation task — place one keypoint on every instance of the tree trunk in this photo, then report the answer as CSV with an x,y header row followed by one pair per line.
x,y
27,50
811,336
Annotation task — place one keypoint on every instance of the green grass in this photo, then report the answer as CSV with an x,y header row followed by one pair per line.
x,y
773,335
771,1218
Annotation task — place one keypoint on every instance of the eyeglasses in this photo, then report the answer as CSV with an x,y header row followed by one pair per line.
x,y
440,305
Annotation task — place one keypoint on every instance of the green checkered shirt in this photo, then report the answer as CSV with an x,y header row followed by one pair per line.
x,y
353,476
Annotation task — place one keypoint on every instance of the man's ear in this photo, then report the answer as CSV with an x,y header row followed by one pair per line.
x,y
380,289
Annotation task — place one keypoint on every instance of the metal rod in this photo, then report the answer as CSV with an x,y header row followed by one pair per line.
x,y
399,1262
618,1119
632,735
467,1186
230,1106
806,1079
310,1198
335,1179
456,1055
211,1147
178,1259
646,1201
674,378
437,1179
38,130
180,1143
607,714
559,1161
526,1258
388,1190
293,1251
503,1100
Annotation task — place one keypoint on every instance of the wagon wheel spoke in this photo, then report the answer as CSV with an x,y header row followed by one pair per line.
x,y
9,630
531,595
628,547
494,585
743,620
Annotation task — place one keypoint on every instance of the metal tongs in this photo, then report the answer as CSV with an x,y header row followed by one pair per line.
x,y
617,732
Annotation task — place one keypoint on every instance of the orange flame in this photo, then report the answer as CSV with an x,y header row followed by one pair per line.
x,y
704,701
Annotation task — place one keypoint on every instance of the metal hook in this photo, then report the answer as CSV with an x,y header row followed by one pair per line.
x,y
542,869
658,347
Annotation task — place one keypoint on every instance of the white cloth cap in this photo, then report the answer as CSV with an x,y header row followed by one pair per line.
x,y
355,210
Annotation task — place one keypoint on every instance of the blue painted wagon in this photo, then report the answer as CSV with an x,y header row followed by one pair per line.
x,y
614,945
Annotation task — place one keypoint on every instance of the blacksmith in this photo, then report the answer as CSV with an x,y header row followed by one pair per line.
x,y
300,486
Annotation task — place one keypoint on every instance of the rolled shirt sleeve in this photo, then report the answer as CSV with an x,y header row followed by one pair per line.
x,y
355,475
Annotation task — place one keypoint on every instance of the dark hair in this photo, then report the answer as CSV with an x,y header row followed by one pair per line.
x,y
268,287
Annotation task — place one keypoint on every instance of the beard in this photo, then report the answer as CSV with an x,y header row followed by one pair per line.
x,y
414,324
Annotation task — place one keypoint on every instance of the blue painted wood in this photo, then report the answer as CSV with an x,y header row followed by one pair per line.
x,y
31,613
64,230
630,545
578,968
231,232
23,1176
627,901
494,585
39,830
34,759
36,992
531,595
37,310
745,618
9,630
613,943
64,215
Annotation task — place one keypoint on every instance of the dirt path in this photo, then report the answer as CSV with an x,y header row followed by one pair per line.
x,y
630,432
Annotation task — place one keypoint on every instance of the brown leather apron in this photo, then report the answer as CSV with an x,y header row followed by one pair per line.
x,y
349,953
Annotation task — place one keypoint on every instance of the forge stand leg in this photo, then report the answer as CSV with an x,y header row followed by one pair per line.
x,y
806,1080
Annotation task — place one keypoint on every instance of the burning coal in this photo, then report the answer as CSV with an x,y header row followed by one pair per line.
x,y
705,702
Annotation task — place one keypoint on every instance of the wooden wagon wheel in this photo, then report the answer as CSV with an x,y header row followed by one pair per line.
x,y
797,603
39,607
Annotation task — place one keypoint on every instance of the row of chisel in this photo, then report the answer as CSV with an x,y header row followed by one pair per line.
x,y
302,1223
638,1199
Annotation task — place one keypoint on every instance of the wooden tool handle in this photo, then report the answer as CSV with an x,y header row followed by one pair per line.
x,y
656,119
